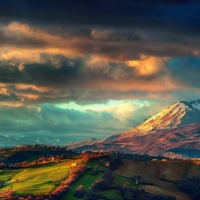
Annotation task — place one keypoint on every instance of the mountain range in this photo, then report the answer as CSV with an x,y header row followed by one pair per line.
x,y
173,132
15,140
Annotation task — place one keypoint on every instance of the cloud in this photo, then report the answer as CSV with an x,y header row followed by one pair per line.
x,y
100,120
148,65
49,119
90,52
26,42
61,78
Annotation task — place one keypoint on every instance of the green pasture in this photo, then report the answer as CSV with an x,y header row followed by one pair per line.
x,y
113,194
86,180
124,181
38,179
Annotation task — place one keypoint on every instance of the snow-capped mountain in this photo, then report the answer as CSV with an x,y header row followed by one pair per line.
x,y
175,131
178,114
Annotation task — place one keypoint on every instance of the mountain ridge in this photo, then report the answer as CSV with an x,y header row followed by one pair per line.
x,y
176,115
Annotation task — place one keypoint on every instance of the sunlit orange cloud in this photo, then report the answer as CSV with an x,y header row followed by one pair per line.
x,y
11,104
18,30
23,96
3,90
33,87
50,44
28,43
18,104
31,55
147,65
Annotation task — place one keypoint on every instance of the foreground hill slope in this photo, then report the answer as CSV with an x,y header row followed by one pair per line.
x,y
154,172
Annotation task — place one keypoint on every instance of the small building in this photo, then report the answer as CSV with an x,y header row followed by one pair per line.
x,y
154,160
75,164
164,160
52,158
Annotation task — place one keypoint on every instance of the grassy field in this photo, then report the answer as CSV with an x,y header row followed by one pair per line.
x,y
39,179
124,181
112,194
172,170
86,180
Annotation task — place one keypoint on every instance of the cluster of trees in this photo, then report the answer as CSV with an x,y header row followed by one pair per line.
x,y
191,186
114,163
94,195
96,171
106,183
80,192
91,195
94,156
74,174
19,154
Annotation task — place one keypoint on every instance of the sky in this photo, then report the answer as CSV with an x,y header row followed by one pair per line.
x,y
94,68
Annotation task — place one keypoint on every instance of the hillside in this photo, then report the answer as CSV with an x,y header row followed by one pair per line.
x,y
115,176
155,171
176,142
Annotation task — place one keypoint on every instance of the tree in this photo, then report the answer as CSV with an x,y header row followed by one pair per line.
x,y
92,195
80,192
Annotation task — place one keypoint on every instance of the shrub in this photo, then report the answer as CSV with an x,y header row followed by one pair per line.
x,y
80,192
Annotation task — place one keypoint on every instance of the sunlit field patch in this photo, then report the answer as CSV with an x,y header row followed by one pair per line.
x,y
39,179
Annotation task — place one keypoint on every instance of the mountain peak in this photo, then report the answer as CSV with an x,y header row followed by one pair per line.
x,y
176,115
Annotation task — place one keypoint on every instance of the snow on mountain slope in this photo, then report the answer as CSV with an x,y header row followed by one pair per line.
x,y
178,114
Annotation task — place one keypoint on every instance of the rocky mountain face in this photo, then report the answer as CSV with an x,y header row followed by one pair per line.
x,y
174,132
178,114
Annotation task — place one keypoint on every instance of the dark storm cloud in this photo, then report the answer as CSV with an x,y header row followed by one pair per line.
x,y
116,44
100,12
56,70
114,29
77,18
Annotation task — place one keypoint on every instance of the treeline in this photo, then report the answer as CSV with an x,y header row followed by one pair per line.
x,y
190,185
